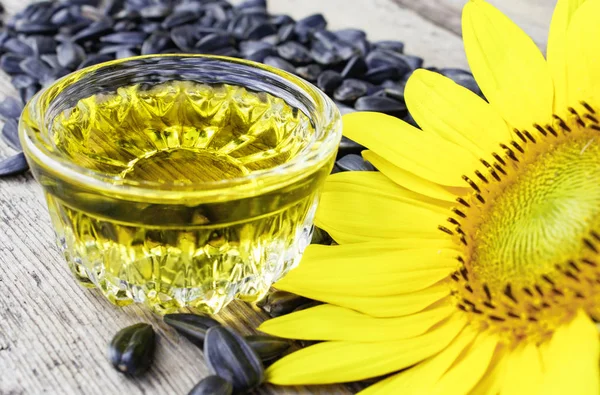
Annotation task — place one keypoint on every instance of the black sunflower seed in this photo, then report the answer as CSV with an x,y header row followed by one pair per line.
x,y
462,77
329,80
261,54
131,38
333,43
132,349
13,165
27,93
179,18
192,326
260,31
380,104
294,52
232,358
286,32
22,81
95,59
319,237
354,162
125,53
112,49
384,57
151,27
279,303
51,60
348,146
212,385
279,20
125,26
304,27
17,47
183,37
212,42
27,27
323,55
70,54
62,17
350,90
355,68
268,348
314,303
350,35
35,67
156,43
93,31
41,45
10,133
279,63
10,63
377,75
156,11
396,46
10,108
310,72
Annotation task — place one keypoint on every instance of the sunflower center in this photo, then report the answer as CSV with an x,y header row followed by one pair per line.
x,y
530,232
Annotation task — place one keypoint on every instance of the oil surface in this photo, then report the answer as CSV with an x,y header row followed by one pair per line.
x,y
175,134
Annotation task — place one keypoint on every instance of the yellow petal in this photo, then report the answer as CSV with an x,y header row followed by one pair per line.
x,y
523,373
441,106
411,181
328,322
508,66
367,206
335,362
421,378
380,306
557,49
377,274
467,370
409,148
492,380
583,55
571,359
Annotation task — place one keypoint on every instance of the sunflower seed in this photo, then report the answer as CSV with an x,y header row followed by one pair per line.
x,y
183,37
462,77
350,35
354,162
179,18
62,17
384,57
319,237
124,26
41,45
279,303
17,47
70,54
192,326
95,59
156,43
380,104
259,31
125,53
350,90
112,49
323,55
279,20
28,92
212,385
129,14
332,42
35,28
111,6
10,134
35,67
294,52
95,30
355,68
216,12
213,42
329,80
10,108
268,348
10,63
310,72
286,32
22,81
151,27
314,303
131,350
157,11
13,165
279,63
131,38
379,74
396,46
304,27
232,358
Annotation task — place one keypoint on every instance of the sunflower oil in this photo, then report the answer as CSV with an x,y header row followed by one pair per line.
x,y
180,136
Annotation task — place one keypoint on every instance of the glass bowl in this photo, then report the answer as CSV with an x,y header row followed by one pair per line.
x,y
181,180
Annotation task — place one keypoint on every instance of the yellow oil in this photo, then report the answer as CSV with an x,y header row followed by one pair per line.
x,y
168,136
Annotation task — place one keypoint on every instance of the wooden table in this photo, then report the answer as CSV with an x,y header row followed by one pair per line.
x,y
53,333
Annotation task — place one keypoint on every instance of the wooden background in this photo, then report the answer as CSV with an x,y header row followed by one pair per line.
x,y
53,334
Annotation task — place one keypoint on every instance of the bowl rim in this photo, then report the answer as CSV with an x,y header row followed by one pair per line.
x,y
256,183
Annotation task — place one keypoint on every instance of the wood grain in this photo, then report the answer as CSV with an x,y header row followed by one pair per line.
x,y
53,333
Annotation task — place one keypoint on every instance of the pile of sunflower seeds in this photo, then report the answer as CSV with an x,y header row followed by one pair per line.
x,y
237,361
50,39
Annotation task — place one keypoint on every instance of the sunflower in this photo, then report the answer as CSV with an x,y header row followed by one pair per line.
x,y
470,262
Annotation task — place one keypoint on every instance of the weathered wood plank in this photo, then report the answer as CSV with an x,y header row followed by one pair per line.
x,y
532,16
